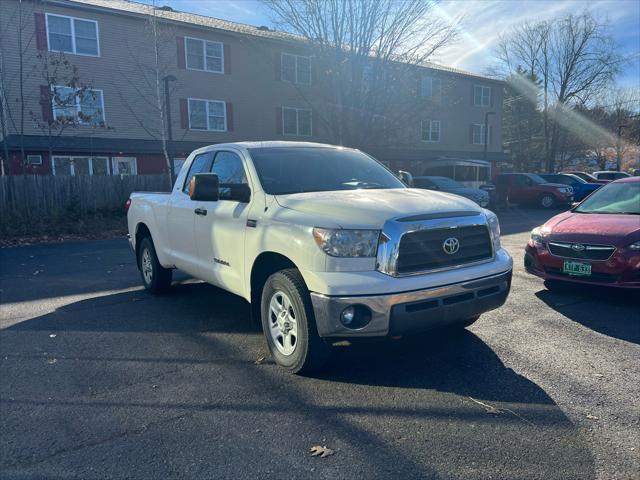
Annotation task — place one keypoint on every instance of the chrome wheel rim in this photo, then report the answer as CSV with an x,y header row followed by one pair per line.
x,y
283,323
147,266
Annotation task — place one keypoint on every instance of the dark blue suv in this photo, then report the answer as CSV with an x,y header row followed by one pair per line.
x,y
581,188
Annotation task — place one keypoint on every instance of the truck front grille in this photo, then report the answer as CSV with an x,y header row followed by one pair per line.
x,y
423,250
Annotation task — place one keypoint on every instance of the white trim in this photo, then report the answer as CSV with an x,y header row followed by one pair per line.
x,y
298,134
204,55
34,163
77,103
73,34
133,161
431,131
482,89
296,81
432,81
206,100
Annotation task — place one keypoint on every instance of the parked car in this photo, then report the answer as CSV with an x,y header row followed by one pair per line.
x,y
587,177
444,184
597,242
581,188
610,175
324,242
531,189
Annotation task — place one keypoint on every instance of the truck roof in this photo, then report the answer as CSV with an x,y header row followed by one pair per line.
x,y
276,144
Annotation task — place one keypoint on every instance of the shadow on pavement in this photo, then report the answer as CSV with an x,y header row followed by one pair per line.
x,y
144,379
609,311
515,220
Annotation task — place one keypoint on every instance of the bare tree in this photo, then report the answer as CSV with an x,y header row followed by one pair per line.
x,y
574,57
365,57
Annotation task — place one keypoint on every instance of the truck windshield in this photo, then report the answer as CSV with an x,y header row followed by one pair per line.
x,y
284,170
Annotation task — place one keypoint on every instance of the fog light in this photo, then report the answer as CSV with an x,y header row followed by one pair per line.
x,y
355,316
347,315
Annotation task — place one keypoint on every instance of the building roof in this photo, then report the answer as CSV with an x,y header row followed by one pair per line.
x,y
169,14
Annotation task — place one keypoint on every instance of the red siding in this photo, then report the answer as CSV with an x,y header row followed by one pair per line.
x,y
181,57
41,31
151,164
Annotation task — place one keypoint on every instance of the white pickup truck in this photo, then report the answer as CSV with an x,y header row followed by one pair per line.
x,y
324,242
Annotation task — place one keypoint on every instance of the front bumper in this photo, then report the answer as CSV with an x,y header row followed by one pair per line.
x,y
417,310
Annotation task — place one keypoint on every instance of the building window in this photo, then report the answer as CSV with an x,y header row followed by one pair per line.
x,y
481,96
34,159
430,87
204,55
207,115
295,69
63,165
478,134
296,121
124,166
77,105
72,35
431,130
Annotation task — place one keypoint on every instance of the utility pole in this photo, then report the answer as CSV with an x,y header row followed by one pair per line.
x,y
167,108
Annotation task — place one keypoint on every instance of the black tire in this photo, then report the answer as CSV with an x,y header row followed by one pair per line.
x,y
159,278
547,200
310,352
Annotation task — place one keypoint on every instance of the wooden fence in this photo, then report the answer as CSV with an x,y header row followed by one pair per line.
x,y
38,195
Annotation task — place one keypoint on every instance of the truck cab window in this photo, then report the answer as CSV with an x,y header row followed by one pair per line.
x,y
228,166
200,164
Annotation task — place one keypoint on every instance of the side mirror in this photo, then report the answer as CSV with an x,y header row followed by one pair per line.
x,y
204,187
406,178
240,192
574,205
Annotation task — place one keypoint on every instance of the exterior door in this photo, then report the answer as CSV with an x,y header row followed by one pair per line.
x,y
181,220
220,233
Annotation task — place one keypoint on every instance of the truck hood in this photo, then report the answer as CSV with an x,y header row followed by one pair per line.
x,y
614,229
370,208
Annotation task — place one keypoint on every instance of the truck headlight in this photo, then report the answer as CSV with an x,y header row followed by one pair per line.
x,y
347,243
494,229
635,246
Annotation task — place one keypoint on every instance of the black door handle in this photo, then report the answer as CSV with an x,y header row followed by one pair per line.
x,y
200,211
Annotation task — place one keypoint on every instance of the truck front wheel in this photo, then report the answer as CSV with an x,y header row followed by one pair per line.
x,y
155,277
289,324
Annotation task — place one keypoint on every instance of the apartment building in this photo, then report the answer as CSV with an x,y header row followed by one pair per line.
x,y
96,73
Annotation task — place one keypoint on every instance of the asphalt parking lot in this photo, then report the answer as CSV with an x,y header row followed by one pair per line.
x,y
101,380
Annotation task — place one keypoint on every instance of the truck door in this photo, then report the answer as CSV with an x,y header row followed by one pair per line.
x,y
220,234
182,216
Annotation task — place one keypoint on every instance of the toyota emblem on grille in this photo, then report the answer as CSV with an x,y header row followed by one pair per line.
x,y
451,245
577,247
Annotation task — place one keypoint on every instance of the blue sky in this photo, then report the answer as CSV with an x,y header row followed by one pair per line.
x,y
484,21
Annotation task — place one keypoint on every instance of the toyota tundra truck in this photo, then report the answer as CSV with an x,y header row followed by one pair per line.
x,y
324,242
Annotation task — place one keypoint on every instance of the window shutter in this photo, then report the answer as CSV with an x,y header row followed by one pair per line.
x,y
229,107
490,135
472,95
41,31
184,113
279,120
491,97
45,103
227,59
471,133
277,62
181,55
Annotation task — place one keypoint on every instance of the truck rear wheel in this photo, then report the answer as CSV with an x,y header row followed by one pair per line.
x,y
289,324
155,277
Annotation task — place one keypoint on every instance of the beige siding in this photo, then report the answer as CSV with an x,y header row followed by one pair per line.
x,y
125,72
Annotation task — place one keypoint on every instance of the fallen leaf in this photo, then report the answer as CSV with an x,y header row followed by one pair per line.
x,y
599,375
52,335
51,361
259,361
318,451
592,417
490,409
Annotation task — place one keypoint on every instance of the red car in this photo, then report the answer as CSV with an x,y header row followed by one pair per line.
x,y
595,243
531,189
